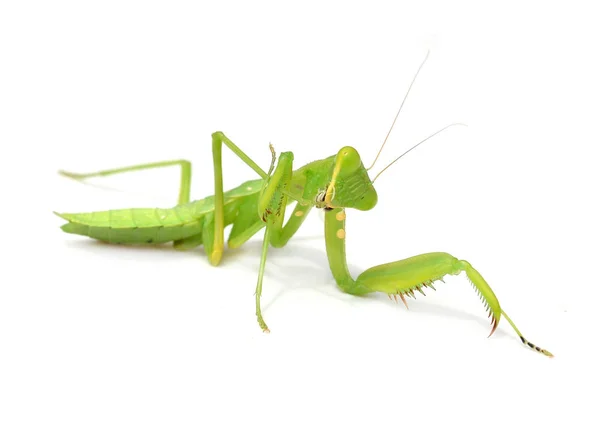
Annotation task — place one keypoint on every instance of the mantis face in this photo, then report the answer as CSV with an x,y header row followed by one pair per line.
x,y
350,185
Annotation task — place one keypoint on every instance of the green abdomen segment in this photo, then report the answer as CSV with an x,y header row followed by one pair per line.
x,y
134,226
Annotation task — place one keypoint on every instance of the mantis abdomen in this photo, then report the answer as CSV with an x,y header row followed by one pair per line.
x,y
183,224
134,226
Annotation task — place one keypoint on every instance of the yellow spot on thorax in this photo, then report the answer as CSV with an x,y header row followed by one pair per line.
x,y
341,215
341,234
299,213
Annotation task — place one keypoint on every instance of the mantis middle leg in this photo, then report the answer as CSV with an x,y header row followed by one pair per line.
x,y
401,278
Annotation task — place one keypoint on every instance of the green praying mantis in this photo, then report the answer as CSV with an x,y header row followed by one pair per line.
x,y
333,184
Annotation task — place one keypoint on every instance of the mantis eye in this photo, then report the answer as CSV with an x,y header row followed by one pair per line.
x,y
348,161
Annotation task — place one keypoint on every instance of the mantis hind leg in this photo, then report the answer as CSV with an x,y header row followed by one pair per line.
x,y
184,185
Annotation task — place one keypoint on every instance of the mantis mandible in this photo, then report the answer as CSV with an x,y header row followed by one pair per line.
x,y
333,184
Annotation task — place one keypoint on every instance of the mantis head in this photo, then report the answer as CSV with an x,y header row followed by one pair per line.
x,y
350,185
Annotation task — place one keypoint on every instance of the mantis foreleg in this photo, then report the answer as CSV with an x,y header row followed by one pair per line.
x,y
271,208
404,277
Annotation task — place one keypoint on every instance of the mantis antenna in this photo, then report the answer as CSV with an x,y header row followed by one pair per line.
x,y
399,110
415,146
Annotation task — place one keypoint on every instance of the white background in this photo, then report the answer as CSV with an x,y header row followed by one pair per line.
x,y
96,333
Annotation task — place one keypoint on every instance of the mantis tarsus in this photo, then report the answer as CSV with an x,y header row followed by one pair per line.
x,y
335,183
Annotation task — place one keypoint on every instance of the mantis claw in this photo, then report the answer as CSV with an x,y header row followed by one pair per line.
x,y
494,326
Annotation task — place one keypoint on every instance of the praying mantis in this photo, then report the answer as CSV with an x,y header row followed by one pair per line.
x,y
332,184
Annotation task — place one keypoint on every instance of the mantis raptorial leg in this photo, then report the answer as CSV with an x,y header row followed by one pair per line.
x,y
404,277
